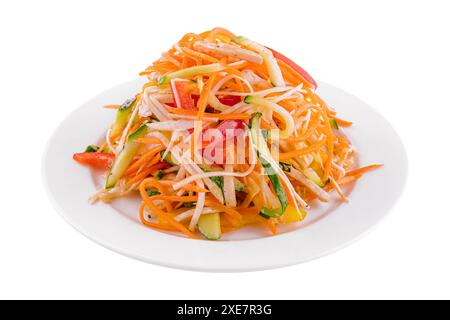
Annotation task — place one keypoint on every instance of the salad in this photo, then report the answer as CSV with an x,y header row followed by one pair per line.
x,y
225,133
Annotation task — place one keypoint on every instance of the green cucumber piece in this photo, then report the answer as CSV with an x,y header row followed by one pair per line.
x,y
238,186
218,180
123,115
258,139
313,176
192,71
261,145
125,157
209,226
334,124
169,158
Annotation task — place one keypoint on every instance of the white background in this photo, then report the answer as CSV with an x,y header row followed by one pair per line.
x,y
55,55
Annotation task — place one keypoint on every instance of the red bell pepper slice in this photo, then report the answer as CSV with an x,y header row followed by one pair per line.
x,y
230,100
305,75
182,90
98,160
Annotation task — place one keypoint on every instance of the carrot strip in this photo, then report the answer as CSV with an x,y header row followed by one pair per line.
x,y
198,55
151,224
176,198
149,155
270,224
112,106
343,123
219,116
203,101
289,197
149,202
145,173
296,153
363,170
330,140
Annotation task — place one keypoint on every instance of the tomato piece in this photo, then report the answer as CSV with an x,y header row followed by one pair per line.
x,y
305,75
98,160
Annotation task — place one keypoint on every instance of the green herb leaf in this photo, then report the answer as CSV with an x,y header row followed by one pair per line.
x,y
189,204
159,175
91,148
285,166
218,181
152,192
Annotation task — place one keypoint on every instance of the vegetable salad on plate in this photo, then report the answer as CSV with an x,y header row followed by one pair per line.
x,y
225,133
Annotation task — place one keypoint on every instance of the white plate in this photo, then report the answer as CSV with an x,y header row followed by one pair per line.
x,y
327,228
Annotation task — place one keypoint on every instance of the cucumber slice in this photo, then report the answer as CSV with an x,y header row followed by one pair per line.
x,y
313,176
209,226
123,115
261,147
238,186
192,71
125,157
334,124
169,158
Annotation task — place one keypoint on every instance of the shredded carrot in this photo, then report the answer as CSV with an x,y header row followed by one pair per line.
x,y
155,210
143,174
363,170
270,224
176,198
343,123
198,55
301,152
151,224
219,116
112,106
147,156
289,196
203,101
